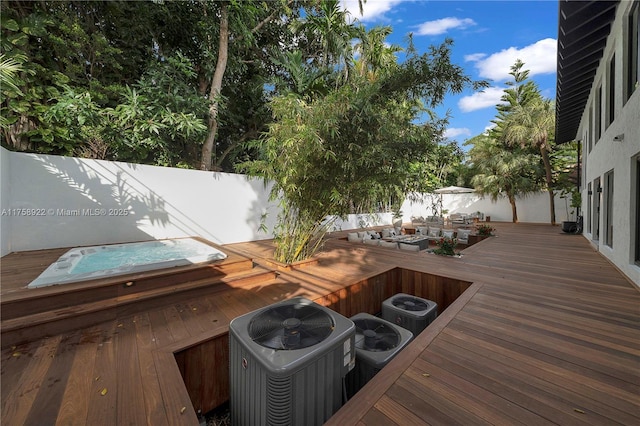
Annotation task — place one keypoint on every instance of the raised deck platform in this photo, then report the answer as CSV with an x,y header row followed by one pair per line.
x,y
539,329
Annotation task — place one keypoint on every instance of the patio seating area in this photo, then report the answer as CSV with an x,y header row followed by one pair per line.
x,y
535,328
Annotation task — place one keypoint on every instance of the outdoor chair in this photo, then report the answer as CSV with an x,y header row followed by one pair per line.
x,y
422,230
448,233
434,220
463,236
353,237
462,218
433,233
388,232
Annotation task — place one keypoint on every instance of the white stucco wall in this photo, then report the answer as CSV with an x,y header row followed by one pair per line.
x,y
68,202
618,156
5,202
532,209
74,202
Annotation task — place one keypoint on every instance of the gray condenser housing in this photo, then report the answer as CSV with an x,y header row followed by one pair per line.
x,y
370,359
272,385
410,312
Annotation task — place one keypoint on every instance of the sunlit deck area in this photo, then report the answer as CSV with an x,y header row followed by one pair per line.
x,y
535,327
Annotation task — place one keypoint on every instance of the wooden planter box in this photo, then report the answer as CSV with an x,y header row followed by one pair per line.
x,y
291,266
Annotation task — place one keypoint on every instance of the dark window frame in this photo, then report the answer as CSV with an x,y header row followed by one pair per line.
x,y
637,213
633,50
608,207
598,114
611,88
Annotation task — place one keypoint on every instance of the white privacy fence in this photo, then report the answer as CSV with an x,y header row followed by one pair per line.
x,y
50,201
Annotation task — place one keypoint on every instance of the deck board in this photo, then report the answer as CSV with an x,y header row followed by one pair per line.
x,y
548,333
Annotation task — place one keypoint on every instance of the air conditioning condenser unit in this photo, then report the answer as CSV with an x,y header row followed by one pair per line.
x,y
410,312
288,362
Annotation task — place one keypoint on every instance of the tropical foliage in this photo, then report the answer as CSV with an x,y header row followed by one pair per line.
x,y
136,56
294,91
350,149
516,157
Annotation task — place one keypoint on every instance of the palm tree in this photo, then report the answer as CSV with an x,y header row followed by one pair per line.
x,y
502,172
328,24
375,54
299,76
527,120
532,124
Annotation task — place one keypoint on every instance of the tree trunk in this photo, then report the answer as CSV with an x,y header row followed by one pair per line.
x,y
514,210
216,88
549,180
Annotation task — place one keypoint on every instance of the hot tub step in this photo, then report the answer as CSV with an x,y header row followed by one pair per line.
x,y
37,325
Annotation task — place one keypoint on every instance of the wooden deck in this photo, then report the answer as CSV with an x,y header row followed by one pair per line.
x,y
538,329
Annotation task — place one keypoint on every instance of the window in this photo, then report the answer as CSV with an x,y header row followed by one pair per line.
x,y
589,204
608,208
637,211
590,136
611,87
597,192
633,50
597,129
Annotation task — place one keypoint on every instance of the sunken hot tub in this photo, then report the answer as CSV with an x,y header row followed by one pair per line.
x,y
88,263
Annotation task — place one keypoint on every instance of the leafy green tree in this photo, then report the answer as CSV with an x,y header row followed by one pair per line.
x,y
148,125
299,77
502,172
69,51
531,122
522,135
375,54
238,26
351,148
327,29
9,69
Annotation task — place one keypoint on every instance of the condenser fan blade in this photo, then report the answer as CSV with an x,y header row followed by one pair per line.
x,y
410,304
290,327
388,341
374,335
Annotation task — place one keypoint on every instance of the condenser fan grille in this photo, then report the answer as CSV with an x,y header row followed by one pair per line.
x,y
376,336
410,303
290,327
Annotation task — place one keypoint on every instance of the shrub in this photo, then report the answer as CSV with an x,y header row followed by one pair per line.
x,y
485,230
446,247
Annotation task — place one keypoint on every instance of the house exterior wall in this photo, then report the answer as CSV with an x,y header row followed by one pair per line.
x,y
605,156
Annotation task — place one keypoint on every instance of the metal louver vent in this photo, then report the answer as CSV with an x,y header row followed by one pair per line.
x,y
279,401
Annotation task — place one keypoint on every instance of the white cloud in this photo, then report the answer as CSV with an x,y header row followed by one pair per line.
x,y
371,10
452,132
489,97
538,58
474,57
441,26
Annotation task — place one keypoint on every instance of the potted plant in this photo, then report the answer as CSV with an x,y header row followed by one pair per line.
x,y
571,226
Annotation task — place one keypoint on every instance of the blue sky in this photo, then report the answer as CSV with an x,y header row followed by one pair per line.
x,y
488,37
